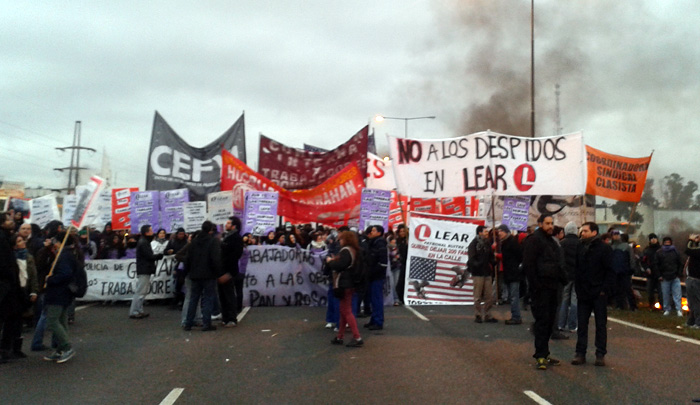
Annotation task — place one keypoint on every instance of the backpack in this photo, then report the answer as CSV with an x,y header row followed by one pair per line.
x,y
79,285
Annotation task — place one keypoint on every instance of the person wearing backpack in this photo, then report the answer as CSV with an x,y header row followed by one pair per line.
x,y
58,296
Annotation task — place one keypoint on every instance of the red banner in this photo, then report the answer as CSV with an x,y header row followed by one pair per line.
x,y
335,202
296,169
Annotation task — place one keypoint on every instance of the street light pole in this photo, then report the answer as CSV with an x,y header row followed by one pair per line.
x,y
380,118
532,68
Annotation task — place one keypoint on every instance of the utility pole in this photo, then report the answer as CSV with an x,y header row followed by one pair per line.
x,y
74,168
557,116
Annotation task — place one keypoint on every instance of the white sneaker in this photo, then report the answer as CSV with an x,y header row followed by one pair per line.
x,y
667,313
329,325
679,313
216,317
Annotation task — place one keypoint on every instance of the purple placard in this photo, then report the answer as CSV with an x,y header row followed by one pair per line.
x,y
516,212
144,210
260,212
374,208
172,215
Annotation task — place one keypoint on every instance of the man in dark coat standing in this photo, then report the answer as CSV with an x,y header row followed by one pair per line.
x,y
145,268
480,263
10,290
229,293
595,281
377,261
510,257
543,264
203,265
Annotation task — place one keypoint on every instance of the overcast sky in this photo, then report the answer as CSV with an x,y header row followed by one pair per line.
x,y
317,71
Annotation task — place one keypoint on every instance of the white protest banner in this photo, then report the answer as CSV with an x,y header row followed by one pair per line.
x,y
195,214
87,201
220,206
43,210
489,163
115,280
284,276
69,203
437,258
380,173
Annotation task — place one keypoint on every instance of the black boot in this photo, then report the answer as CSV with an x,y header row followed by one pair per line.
x,y
17,349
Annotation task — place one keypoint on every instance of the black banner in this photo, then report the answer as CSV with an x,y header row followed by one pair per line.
x,y
173,164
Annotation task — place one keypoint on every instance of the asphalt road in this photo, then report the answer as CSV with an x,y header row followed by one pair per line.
x,y
284,355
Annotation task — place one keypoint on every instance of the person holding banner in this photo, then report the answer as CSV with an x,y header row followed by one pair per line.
x,y
145,268
344,267
58,296
542,262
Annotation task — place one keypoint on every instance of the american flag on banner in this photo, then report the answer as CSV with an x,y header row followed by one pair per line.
x,y
436,259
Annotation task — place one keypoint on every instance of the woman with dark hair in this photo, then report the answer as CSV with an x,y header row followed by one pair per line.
x,y
344,267
113,248
159,242
292,241
271,238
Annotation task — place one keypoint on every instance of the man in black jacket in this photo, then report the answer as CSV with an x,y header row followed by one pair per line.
x,y
651,272
203,266
511,256
377,260
543,264
145,268
595,279
692,282
568,318
10,290
480,263
231,283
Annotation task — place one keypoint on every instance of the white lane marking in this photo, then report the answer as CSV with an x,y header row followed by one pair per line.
x,y
85,306
533,396
242,314
658,332
172,397
416,313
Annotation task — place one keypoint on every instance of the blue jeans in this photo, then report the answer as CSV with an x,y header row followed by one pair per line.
x,y
333,310
514,296
206,291
568,311
670,289
376,289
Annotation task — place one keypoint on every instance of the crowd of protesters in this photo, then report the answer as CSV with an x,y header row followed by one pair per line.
x,y
564,274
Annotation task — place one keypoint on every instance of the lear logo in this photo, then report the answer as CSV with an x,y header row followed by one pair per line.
x,y
422,232
524,177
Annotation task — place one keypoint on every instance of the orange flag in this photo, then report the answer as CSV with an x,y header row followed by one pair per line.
x,y
616,177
